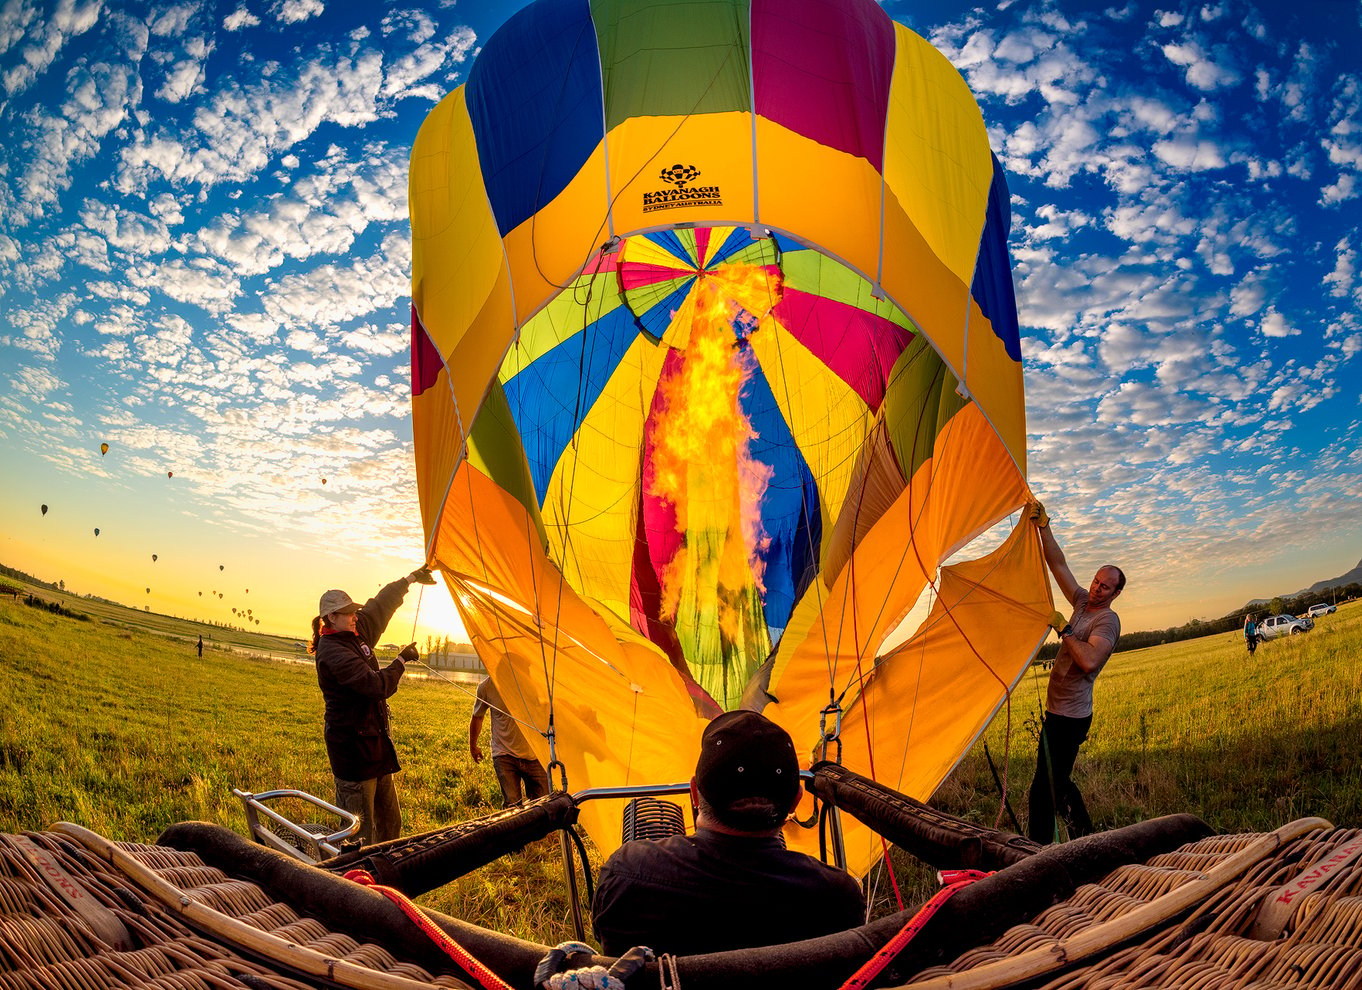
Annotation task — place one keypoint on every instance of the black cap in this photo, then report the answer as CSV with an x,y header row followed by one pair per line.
x,y
744,754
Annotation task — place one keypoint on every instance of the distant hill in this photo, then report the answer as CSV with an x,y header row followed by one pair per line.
x,y
1354,576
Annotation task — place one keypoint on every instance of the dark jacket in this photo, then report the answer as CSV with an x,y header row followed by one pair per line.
x,y
356,691
709,892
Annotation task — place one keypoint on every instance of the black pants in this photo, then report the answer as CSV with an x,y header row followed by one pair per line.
x,y
1052,790
512,771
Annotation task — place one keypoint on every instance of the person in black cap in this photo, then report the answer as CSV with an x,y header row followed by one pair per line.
x,y
733,884
356,692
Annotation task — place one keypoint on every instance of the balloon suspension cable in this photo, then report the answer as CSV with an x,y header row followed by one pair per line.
x,y
419,598
835,736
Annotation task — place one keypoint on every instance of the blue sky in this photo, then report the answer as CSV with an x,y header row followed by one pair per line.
x,y
204,262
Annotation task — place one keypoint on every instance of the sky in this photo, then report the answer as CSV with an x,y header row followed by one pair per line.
x,y
205,262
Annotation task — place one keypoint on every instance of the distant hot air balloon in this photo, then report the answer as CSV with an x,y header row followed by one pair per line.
x,y
170,474
222,566
257,622
200,594
44,510
148,591
103,449
219,594
153,558
96,530
323,481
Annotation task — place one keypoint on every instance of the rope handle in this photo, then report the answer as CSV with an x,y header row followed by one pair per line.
x,y
953,881
488,979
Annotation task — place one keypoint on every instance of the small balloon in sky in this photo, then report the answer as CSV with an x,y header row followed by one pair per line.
x,y
222,566
200,594
170,474
219,594
96,530
148,591
323,481
103,449
153,558
44,510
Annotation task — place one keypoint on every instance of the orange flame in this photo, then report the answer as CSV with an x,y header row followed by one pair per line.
x,y
702,464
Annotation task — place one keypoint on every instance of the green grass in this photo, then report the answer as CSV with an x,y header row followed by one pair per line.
x,y
1245,742
125,730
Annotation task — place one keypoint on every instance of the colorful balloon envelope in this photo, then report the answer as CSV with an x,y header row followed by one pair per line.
x,y
44,510
103,449
715,371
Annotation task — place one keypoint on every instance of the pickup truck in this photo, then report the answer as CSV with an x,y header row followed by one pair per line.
x,y
1284,625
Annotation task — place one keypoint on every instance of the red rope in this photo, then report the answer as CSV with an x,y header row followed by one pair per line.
x,y
954,881
458,953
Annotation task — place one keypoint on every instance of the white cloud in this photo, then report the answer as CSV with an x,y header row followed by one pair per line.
x,y
99,97
240,128
125,229
1274,325
1340,280
1190,154
295,11
210,286
1203,71
70,19
187,75
171,21
239,19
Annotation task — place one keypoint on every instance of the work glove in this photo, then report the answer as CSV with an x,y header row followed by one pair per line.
x,y
421,575
1058,623
409,653
1038,514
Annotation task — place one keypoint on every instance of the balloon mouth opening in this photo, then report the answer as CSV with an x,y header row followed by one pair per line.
x,y
663,277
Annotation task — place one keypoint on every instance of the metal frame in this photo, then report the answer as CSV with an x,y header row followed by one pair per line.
x,y
312,848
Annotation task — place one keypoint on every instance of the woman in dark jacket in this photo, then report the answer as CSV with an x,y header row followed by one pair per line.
x,y
356,690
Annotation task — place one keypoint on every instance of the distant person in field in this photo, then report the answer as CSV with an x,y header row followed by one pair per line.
x,y
1250,632
356,690
732,884
200,647
1086,641
512,759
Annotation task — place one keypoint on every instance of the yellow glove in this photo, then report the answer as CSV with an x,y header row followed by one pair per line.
x,y
1058,623
1038,514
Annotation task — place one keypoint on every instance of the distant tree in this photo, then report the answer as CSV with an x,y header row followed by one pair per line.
x,y
61,585
1276,606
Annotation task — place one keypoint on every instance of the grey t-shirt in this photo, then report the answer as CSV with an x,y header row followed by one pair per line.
x,y
507,739
1070,691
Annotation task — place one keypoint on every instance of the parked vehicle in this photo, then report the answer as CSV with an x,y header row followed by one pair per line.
x,y
1284,625
1322,608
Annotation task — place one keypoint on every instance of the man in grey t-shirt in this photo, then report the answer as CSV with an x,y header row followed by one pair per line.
x,y
1086,642
512,758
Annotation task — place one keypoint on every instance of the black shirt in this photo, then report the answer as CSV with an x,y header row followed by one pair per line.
x,y
709,892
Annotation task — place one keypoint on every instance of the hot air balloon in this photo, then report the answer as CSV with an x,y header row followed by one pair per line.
x,y
153,558
170,474
221,567
715,371
96,530
103,449
148,591
44,510
323,481
200,594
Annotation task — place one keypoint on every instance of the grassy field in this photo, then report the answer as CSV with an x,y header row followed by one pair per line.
x,y
123,729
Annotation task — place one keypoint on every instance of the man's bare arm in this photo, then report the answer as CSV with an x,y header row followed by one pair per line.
x,y
1088,655
1059,567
